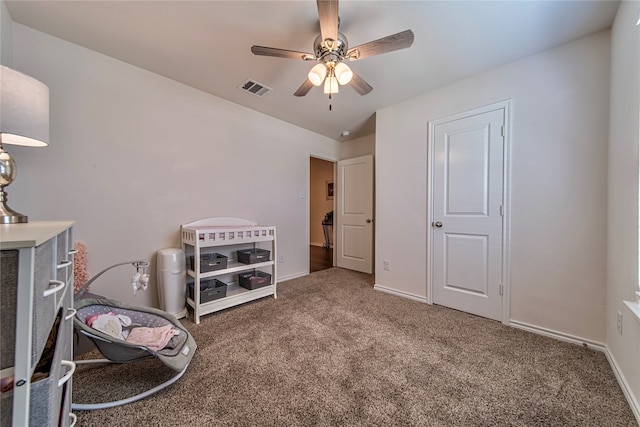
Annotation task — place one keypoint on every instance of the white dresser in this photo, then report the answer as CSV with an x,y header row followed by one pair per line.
x,y
36,320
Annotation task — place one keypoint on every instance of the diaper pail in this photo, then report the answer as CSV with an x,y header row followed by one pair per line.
x,y
172,277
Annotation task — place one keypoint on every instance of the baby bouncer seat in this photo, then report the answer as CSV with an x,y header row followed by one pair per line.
x,y
124,333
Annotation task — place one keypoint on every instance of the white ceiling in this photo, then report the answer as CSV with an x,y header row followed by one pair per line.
x,y
206,45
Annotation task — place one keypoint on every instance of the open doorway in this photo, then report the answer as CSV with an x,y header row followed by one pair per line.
x,y
321,206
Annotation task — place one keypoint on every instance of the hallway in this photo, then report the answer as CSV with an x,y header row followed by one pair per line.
x,y
320,258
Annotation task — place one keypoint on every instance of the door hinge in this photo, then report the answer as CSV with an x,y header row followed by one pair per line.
x,y
501,290
502,131
501,210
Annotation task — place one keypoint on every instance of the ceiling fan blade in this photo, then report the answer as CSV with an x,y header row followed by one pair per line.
x,y
281,53
328,16
304,89
390,43
359,85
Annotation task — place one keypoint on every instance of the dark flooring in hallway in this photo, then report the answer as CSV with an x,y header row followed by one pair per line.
x,y
320,258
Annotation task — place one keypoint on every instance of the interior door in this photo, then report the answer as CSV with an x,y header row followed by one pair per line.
x,y
468,213
354,219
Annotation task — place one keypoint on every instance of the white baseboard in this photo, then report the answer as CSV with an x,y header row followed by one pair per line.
x,y
292,276
617,372
624,385
400,293
558,335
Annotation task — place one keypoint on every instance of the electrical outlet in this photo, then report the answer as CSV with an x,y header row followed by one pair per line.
x,y
281,259
387,264
620,323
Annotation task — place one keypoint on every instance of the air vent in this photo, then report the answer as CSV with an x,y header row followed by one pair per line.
x,y
255,88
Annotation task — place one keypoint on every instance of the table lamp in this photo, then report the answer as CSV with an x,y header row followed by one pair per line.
x,y
24,120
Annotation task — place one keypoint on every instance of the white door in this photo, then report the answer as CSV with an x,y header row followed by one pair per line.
x,y
354,219
467,213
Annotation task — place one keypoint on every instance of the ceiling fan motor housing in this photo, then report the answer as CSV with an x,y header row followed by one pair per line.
x,y
330,51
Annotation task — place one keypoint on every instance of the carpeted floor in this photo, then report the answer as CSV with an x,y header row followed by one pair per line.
x,y
332,351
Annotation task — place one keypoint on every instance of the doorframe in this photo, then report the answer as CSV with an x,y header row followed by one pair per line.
x,y
506,202
308,196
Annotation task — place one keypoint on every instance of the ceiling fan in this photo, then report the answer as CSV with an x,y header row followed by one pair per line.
x,y
331,48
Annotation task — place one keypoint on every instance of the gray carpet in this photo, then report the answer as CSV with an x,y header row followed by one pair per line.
x,y
332,351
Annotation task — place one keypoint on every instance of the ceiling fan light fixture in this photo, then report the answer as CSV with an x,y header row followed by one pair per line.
x,y
331,48
317,74
343,73
331,85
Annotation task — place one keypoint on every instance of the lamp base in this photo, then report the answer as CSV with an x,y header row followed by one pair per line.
x,y
8,215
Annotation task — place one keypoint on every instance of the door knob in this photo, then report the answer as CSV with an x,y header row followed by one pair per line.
x,y
438,224
368,220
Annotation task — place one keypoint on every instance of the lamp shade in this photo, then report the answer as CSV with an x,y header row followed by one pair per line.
x,y
317,74
331,85
343,73
24,109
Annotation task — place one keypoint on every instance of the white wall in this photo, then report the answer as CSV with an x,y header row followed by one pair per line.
x,y
622,255
358,147
6,36
134,155
558,197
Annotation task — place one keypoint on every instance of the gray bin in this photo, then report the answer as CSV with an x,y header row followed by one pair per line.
x,y
172,281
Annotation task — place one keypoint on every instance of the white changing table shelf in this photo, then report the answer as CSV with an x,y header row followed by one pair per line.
x,y
226,236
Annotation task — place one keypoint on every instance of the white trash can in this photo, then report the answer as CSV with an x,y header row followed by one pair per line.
x,y
172,281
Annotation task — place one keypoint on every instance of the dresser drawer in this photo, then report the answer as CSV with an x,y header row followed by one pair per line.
x,y
64,260
45,293
8,300
52,380
46,296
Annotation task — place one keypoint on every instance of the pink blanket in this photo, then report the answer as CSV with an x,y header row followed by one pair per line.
x,y
153,338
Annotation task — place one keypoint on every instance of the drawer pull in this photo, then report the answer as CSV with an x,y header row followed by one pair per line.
x,y
70,313
73,251
52,290
73,419
63,264
72,368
